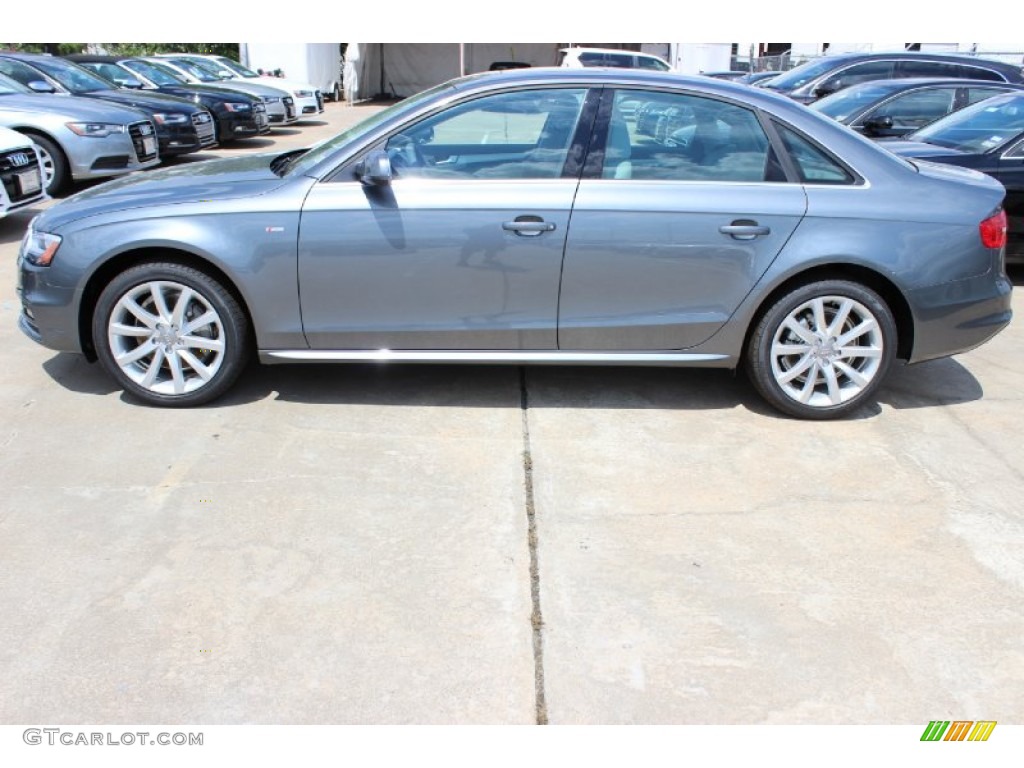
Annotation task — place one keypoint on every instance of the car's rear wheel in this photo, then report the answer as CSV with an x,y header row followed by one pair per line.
x,y
171,335
55,164
822,350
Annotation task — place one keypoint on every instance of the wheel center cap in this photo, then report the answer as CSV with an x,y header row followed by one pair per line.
x,y
825,349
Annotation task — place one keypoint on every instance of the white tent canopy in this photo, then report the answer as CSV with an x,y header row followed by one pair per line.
x,y
403,69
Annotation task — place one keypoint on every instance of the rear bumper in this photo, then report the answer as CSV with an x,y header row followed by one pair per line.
x,y
956,317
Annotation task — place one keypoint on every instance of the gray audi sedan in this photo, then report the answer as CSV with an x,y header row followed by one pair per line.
x,y
613,217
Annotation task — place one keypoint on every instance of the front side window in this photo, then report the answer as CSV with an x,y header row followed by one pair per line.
x,y
646,62
678,137
916,109
516,135
980,94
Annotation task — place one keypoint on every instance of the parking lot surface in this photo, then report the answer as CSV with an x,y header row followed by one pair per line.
x,y
445,544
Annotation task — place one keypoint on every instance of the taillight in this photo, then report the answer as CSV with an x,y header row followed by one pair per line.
x,y
993,230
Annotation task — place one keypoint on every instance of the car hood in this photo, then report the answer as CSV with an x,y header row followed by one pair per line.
x,y
919,149
185,91
206,182
146,100
37,107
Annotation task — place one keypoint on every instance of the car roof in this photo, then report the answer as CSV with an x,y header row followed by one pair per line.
x,y
907,83
955,58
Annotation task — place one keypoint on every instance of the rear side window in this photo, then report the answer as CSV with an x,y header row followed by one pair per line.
x,y
980,94
679,137
980,73
928,69
814,164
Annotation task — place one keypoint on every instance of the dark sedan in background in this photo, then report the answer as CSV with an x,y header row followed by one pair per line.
x,y
828,74
988,137
892,108
237,115
181,125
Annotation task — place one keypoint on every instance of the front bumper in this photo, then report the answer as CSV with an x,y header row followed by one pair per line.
x,y
188,137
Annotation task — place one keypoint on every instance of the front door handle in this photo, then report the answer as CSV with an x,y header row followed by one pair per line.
x,y
528,226
744,229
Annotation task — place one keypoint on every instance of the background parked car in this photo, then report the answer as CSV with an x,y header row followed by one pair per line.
x,y
21,172
897,107
181,125
279,103
237,115
988,137
611,57
824,76
79,139
759,78
308,98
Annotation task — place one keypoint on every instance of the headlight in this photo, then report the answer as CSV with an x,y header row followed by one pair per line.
x,y
170,118
95,130
39,248
235,106
271,99
303,94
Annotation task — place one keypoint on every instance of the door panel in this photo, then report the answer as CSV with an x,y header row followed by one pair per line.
x,y
427,264
673,225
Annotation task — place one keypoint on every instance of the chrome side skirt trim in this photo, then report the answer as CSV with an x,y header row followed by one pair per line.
x,y
469,356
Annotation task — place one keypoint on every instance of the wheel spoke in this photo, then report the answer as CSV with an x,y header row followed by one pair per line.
x,y
154,368
178,315
867,326
834,392
201,342
205,372
207,318
784,350
820,323
804,333
852,374
177,374
840,318
801,366
812,380
156,290
850,352
144,316
130,330
145,348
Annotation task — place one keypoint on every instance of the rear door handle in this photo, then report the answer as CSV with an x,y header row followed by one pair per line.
x,y
528,226
744,229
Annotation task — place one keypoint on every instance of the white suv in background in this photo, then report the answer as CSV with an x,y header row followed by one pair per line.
x,y
611,57
21,172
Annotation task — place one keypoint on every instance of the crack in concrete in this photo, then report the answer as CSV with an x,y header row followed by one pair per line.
x,y
536,618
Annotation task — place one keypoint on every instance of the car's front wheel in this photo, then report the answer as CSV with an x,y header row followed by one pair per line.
x,y
822,350
170,334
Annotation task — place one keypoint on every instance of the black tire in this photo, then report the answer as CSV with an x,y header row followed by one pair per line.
x,y
187,352
813,370
56,173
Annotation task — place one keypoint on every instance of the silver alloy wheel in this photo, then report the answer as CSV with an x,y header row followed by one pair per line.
x,y
49,166
166,337
827,351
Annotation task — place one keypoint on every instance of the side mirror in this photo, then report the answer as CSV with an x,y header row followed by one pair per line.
x,y
128,82
374,170
41,86
878,124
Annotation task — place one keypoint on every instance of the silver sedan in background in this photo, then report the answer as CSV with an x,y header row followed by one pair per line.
x,y
612,217
78,138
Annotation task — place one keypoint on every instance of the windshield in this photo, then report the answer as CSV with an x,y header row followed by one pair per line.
x,y
325,148
73,77
977,128
803,74
195,71
851,101
9,86
234,66
155,73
